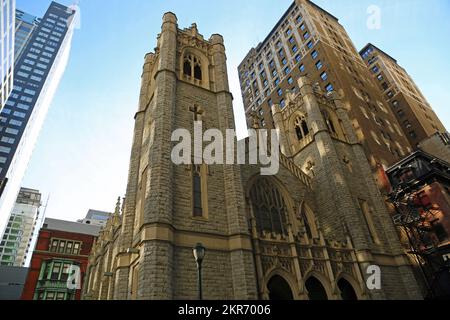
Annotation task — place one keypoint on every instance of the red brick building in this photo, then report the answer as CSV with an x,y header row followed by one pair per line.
x,y
421,196
62,249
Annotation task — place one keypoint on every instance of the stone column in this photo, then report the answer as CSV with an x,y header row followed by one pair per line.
x,y
243,270
155,275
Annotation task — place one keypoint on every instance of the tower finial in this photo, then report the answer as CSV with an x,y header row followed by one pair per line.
x,y
194,29
123,205
117,211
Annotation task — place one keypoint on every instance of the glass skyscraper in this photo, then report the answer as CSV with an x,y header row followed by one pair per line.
x,y
7,18
25,26
37,74
18,240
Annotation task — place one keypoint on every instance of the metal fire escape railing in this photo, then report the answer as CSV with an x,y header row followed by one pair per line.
x,y
416,220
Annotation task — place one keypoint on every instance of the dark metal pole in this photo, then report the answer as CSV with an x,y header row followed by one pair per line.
x,y
200,293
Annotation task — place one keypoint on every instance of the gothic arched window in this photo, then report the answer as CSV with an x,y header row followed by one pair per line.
x,y
197,192
301,127
269,207
192,67
308,218
197,72
187,67
307,226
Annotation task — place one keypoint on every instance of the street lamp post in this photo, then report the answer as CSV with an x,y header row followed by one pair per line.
x,y
199,254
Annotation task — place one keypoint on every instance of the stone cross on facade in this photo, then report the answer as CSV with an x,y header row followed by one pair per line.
x,y
197,112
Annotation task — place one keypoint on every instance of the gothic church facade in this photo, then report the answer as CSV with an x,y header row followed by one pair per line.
x,y
310,232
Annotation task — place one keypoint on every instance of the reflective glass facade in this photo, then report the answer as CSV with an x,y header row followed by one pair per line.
x,y
7,17
25,26
38,72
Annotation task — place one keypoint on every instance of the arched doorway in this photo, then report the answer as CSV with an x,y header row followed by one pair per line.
x,y
316,291
279,289
347,291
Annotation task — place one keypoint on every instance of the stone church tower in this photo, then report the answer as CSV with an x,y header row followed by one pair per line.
x,y
169,208
309,232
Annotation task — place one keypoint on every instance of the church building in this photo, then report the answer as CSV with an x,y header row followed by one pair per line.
x,y
319,229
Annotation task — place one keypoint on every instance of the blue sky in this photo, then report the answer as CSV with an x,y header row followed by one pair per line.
x,y
82,155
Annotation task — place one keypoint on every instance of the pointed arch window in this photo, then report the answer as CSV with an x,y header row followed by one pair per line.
x,y
197,72
307,226
199,191
301,127
192,67
308,218
269,207
187,67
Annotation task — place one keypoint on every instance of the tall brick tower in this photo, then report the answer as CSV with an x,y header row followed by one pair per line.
x,y
169,208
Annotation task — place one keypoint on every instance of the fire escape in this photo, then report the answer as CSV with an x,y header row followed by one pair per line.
x,y
418,219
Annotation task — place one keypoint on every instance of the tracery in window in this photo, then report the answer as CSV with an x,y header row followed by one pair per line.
x,y
192,67
301,127
269,207
187,67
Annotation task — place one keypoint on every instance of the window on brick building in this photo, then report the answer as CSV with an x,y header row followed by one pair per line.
x,y
319,65
55,271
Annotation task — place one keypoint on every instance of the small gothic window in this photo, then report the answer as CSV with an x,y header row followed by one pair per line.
x,y
192,67
301,127
197,193
305,127
187,67
298,130
269,207
198,72
307,226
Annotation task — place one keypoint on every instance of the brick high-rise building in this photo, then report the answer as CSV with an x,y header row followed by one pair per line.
x,y
414,114
308,40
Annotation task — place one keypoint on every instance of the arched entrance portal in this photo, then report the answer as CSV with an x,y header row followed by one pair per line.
x,y
279,289
347,291
316,291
